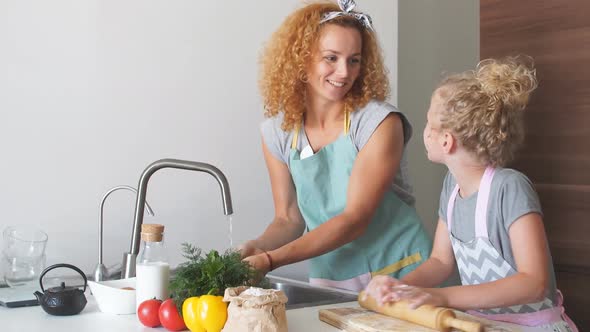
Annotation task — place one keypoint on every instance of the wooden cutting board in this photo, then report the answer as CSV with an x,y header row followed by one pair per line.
x,y
357,319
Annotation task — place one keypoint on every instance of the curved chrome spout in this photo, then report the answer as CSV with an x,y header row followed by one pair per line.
x,y
129,258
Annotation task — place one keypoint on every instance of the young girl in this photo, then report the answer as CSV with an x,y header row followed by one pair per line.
x,y
490,220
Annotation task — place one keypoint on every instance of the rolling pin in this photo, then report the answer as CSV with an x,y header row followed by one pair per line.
x,y
442,319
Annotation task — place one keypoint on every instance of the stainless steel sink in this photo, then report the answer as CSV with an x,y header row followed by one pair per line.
x,y
303,295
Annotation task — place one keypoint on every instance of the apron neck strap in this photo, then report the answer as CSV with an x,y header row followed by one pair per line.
x,y
450,206
481,207
346,122
295,137
298,128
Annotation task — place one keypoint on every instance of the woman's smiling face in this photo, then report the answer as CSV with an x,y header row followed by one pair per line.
x,y
335,64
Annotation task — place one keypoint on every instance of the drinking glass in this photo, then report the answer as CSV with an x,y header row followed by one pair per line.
x,y
23,255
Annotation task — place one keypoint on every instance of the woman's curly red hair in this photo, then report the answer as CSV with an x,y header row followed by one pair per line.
x,y
288,52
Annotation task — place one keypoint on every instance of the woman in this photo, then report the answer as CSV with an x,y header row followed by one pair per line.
x,y
335,154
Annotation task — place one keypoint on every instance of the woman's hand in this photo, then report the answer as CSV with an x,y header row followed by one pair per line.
x,y
249,248
260,262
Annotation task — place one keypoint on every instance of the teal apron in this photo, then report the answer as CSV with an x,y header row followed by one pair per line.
x,y
395,240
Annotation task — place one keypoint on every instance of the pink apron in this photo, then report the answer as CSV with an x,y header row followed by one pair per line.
x,y
479,262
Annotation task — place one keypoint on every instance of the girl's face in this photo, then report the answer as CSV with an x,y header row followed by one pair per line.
x,y
433,135
335,64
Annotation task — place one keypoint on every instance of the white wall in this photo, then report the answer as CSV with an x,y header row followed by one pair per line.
x,y
91,92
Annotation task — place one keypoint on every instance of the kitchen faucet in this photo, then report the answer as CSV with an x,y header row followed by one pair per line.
x,y
128,267
100,272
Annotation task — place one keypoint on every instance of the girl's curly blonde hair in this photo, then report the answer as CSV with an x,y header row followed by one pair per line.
x,y
483,107
289,51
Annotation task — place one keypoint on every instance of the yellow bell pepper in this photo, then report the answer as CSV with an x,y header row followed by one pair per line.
x,y
206,313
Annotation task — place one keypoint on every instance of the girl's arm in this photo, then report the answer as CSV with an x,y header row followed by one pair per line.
x,y
372,173
441,264
431,273
528,285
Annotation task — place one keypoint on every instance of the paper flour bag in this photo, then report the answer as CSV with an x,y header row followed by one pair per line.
x,y
253,309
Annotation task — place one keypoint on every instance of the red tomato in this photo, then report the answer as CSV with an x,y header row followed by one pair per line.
x,y
147,312
169,316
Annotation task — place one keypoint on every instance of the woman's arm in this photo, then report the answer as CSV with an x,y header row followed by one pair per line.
x,y
288,224
372,173
528,285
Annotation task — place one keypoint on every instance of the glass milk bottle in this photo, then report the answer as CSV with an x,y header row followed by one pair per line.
x,y
152,270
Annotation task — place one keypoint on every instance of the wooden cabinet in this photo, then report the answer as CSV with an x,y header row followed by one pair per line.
x,y
556,155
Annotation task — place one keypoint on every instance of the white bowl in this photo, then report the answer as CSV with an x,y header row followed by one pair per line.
x,y
111,298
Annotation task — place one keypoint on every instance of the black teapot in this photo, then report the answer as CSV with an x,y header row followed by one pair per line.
x,y
62,300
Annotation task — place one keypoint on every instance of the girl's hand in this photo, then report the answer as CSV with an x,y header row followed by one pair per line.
x,y
415,296
380,288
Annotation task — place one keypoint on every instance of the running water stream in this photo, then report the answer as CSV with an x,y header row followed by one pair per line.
x,y
230,236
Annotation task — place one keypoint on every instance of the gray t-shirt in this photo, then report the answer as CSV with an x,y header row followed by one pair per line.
x,y
363,123
511,196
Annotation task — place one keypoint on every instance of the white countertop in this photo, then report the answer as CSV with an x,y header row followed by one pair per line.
x,y
91,319
34,319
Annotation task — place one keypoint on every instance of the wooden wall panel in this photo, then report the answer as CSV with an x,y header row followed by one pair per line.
x,y
556,155
569,228
567,169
